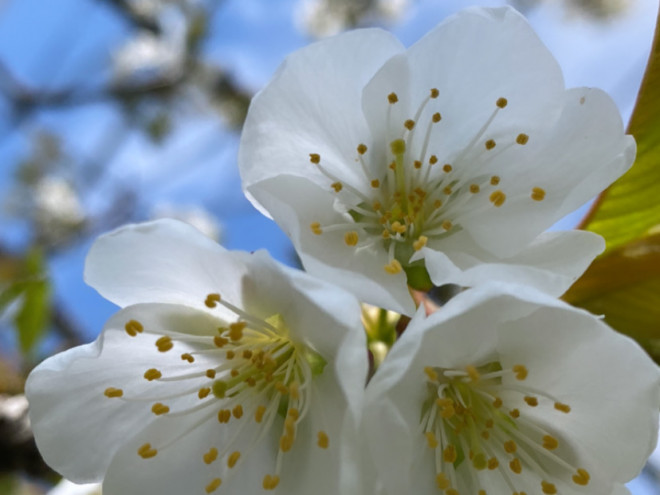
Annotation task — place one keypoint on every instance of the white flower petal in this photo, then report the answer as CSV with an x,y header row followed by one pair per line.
x,y
360,272
476,57
314,99
114,360
608,386
161,261
553,261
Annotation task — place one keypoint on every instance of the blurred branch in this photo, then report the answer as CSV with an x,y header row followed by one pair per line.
x,y
18,451
138,20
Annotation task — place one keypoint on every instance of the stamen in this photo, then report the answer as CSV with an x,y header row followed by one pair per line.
x,y
538,194
133,327
522,139
213,485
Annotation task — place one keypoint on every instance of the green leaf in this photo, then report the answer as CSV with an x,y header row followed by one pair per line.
x,y
33,289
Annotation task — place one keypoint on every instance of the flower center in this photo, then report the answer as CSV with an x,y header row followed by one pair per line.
x,y
259,382
413,197
474,421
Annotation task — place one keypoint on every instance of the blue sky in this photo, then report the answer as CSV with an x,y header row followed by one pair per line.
x,y
53,44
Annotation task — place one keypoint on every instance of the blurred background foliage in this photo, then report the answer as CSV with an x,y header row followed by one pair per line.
x,y
131,109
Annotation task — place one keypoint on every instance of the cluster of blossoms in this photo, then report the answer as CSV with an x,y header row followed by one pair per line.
x,y
393,171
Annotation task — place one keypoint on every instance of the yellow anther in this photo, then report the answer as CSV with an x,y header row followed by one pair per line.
x,y
375,184
315,158
451,491
230,354
159,409
259,414
437,204
449,454
133,327
582,477
502,102
548,488
441,481
472,372
164,343
494,180
431,373
210,373
293,413
531,401
514,413
417,164
233,458
493,463
316,228
204,392
251,381
481,492
420,242
479,461
286,442
490,423
516,466
409,124
220,341
447,190
213,485
398,147
434,93
211,455
447,168
294,390
522,139
362,148
237,411
393,267
236,330
351,238
398,227
247,354
212,300
474,188
392,98
271,482
550,442
279,386
497,197
224,415
497,403
188,357
433,160
431,441
113,392
520,371
152,374
510,446
538,194
490,144
337,186
436,117
146,451
234,372
322,440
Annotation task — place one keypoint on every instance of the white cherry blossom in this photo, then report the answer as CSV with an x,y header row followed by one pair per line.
x,y
507,391
224,372
444,162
